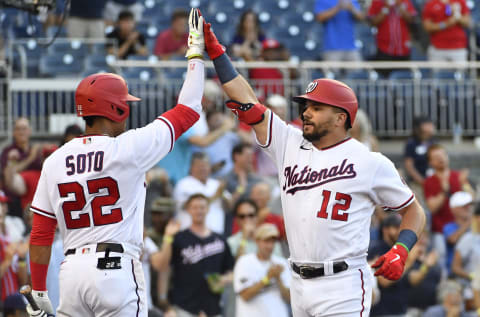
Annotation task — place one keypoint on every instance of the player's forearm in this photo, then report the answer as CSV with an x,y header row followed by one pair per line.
x,y
192,90
40,253
240,90
413,218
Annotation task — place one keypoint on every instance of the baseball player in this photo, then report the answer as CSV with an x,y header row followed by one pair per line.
x,y
330,185
93,188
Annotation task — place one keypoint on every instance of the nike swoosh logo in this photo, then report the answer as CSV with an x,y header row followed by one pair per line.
x,y
397,257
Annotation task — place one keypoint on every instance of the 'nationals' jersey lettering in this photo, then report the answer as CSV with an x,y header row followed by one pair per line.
x,y
315,178
82,163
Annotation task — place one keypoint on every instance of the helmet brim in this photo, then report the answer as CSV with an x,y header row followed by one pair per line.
x,y
132,98
300,99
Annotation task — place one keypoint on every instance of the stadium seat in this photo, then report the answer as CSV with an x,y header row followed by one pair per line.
x,y
27,31
401,74
61,65
73,47
139,73
52,31
98,60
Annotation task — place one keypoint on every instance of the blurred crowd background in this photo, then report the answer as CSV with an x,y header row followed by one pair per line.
x,y
218,177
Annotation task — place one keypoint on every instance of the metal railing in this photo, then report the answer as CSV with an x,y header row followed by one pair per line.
x,y
390,104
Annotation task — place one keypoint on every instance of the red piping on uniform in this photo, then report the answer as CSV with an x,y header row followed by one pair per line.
x,y
45,212
171,132
270,131
334,145
363,293
402,205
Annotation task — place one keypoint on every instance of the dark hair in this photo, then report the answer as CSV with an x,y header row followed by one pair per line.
x,y
73,129
198,156
348,124
417,125
124,15
243,17
238,149
90,120
193,197
244,201
179,14
432,148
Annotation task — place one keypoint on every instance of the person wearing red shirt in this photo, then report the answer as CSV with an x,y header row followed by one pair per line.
x,y
446,21
392,19
441,185
173,41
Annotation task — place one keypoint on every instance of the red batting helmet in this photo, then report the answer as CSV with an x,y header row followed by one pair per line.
x,y
104,95
333,93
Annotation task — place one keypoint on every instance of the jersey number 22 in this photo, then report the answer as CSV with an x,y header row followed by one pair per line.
x,y
94,186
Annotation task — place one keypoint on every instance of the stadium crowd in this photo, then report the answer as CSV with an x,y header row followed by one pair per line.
x,y
227,246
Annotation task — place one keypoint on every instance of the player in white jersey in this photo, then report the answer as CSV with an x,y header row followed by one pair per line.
x,y
330,185
93,188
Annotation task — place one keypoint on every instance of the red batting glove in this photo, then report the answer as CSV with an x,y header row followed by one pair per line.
x,y
391,264
247,112
213,47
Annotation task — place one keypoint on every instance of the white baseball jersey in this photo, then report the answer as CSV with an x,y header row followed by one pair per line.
x,y
328,195
94,186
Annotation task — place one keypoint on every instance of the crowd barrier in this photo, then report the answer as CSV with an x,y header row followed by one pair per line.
x,y
451,97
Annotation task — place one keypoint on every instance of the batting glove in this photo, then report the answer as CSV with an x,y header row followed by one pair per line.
x,y
42,300
37,313
247,112
391,264
196,42
213,47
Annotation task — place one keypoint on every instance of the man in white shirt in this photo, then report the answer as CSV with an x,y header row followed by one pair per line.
x,y
262,280
199,181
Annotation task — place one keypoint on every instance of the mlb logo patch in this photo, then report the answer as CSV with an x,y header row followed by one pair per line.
x,y
87,140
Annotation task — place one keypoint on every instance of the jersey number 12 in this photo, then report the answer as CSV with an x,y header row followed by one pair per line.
x,y
342,204
94,186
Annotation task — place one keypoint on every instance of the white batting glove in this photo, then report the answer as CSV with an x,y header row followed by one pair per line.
x,y
37,313
42,300
196,42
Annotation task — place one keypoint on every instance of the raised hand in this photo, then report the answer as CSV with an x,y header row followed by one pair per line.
x,y
212,45
196,42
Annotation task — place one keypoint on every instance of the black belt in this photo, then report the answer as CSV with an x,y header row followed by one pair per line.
x,y
102,247
307,272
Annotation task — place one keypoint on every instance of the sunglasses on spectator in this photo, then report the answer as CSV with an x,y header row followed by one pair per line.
x,y
246,216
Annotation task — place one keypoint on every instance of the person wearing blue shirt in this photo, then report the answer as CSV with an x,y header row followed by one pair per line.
x,y
461,205
338,19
